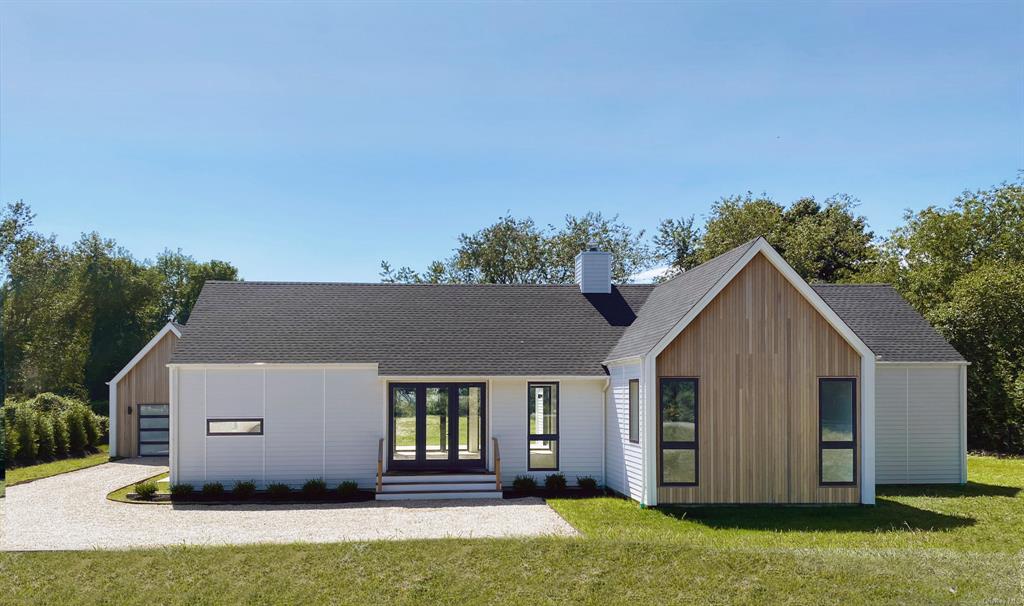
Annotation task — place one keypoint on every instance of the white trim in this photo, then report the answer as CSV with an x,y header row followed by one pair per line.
x,y
266,433
169,327
963,363
323,424
624,361
275,365
867,378
173,425
604,431
963,424
112,414
650,426
458,378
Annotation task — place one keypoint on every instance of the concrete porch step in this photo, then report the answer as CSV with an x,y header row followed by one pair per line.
x,y
439,478
422,486
438,494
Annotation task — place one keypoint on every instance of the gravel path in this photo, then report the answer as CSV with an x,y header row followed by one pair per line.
x,y
71,511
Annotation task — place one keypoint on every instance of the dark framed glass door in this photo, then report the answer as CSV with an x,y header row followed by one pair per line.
x,y
436,426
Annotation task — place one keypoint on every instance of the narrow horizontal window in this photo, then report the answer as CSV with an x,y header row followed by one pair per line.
x,y
234,427
677,410
542,426
837,430
634,410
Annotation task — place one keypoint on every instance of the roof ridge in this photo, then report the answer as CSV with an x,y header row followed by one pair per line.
x,y
474,284
817,284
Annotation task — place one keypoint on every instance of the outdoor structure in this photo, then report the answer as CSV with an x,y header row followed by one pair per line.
x,y
139,399
734,382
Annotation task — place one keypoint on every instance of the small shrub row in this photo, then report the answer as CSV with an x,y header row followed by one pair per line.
x,y
244,490
50,427
554,482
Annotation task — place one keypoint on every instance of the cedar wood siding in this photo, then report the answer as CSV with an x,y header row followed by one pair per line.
x,y
758,350
145,383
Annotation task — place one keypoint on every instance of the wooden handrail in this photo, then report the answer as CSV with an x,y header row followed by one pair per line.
x,y
497,465
380,464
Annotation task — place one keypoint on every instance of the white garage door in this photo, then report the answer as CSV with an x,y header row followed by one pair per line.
x,y
917,425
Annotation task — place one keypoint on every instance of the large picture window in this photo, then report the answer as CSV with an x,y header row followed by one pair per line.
x,y
542,417
837,431
677,411
634,410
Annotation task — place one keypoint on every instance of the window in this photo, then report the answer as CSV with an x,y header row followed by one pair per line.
x,y
678,417
542,417
234,427
634,410
154,429
837,430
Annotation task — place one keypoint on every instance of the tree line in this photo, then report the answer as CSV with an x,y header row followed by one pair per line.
x,y
961,265
72,316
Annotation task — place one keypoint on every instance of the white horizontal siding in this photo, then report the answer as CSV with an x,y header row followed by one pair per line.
x,y
917,425
355,418
624,459
580,428
191,427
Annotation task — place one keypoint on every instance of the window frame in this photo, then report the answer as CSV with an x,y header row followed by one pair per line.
x,y
676,445
633,411
548,437
234,433
834,444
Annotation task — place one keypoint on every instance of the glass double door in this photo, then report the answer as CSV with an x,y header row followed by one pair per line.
x,y
436,426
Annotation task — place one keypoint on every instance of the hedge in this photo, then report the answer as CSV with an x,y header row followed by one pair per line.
x,y
49,427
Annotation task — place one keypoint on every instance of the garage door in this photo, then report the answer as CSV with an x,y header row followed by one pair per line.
x,y
917,425
154,429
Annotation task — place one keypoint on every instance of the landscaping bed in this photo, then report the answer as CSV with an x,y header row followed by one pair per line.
x,y
151,490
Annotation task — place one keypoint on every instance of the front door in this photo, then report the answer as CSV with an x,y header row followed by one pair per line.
x,y
436,426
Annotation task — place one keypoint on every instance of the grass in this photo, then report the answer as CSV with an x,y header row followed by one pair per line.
x,y
121,494
920,545
20,475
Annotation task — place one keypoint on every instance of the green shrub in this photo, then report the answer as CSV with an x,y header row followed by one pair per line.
x,y
213,490
104,423
524,484
555,481
78,439
47,402
44,434
61,446
92,428
314,489
146,490
11,440
348,488
586,482
244,490
181,491
278,491
28,436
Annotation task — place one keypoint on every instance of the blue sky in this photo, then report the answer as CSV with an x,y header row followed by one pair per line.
x,y
310,141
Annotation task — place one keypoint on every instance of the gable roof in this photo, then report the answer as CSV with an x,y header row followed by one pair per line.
x,y
671,300
411,329
173,327
887,323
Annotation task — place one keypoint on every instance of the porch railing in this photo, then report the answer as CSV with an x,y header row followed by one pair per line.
x,y
380,464
497,465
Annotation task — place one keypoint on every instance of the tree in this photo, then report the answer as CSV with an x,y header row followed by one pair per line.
x,y
676,243
824,244
181,279
630,254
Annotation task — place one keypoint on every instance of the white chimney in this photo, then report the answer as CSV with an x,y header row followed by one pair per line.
x,y
594,270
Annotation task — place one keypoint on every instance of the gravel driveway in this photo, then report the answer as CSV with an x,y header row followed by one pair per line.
x,y
71,511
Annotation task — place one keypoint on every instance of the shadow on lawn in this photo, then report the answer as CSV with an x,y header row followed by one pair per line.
x,y
886,516
970,489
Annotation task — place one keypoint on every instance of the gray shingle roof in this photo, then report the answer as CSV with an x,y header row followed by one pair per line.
x,y
671,300
887,323
410,329
432,329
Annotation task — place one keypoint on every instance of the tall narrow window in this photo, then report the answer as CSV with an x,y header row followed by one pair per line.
x,y
678,417
837,431
634,410
542,417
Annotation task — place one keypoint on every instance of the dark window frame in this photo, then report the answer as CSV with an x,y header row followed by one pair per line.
x,y
633,411
837,445
139,429
548,437
234,433
675,445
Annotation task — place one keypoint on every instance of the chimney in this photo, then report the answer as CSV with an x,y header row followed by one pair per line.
x,y
594,270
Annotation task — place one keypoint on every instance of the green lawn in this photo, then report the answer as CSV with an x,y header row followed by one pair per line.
x,y
121,494
20,475
928,545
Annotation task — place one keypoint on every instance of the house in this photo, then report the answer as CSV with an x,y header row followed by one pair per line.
x,y
734,382
139,399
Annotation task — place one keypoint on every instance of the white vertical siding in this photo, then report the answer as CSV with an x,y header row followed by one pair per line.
x,y
580,428
917,425
623,459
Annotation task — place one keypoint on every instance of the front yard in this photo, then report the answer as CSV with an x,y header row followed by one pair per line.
x,y
20,475
921,545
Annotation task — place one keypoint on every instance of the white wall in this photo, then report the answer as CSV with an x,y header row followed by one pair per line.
x,y
318,423
623,459
580,427
917,424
